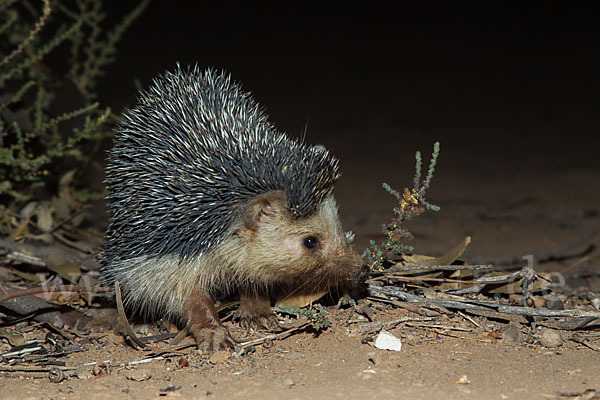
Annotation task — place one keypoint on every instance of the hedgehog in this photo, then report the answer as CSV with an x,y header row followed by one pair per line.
x,y
207,199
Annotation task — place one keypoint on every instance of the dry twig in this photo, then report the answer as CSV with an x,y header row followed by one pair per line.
x,y
469,305
59,289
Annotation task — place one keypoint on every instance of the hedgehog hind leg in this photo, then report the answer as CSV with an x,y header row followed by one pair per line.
x,y
255,312
204,323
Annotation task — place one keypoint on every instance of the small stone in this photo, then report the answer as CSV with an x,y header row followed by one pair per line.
x,y
289,382
368,373
494,335
596,303
100,369
512,334
183,362
219,356
387,341
539,302
554,303
144,329
242,351
138,375
83,373
293,355
463,380
550,338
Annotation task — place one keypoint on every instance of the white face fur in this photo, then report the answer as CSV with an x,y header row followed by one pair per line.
x,y
282,248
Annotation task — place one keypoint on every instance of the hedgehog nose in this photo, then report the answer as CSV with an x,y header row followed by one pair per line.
x,y
352,267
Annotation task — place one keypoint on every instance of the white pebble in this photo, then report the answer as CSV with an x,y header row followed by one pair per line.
x,y
387,341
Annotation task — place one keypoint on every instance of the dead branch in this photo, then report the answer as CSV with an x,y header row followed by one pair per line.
x,y
59,289
469,305
417,268
279,336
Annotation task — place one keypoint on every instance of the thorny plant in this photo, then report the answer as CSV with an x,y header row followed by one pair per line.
x,y
48,104
412,203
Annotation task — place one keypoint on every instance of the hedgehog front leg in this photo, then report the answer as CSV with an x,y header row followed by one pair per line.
x,y
255,312
204,323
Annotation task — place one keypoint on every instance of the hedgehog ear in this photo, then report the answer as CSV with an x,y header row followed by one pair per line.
x,y
264,208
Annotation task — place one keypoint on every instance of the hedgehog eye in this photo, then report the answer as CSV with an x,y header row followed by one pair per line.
x,y
310,242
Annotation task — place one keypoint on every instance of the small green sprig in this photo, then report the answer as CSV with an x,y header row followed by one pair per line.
x,y
317,318
412,203
346,300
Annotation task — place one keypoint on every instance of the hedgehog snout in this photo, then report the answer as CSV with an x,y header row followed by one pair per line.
x,y
350,264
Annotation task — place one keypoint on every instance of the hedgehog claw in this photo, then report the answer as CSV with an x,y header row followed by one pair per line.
x,y
213,339
255,313
271,324
251,323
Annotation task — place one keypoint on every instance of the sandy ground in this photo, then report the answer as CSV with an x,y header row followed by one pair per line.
x,y
506,218
334,365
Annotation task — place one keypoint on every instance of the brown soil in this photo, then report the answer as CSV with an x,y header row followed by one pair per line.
x,y
522,218
335,365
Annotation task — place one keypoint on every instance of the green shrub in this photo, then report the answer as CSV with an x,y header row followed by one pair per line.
x,y
52,54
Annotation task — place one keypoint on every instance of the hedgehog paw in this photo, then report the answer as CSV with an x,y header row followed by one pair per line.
x,y
256,322
212,338
255,313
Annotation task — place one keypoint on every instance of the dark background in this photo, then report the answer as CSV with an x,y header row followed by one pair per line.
x,y
510,92
359,77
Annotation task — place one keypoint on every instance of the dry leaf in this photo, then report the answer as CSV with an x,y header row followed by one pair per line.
x,y
65,185
15,339
30,276
28,210
298,297
25,214
415,260
64,238
44,237
65,204
453,254
44,218
67,270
